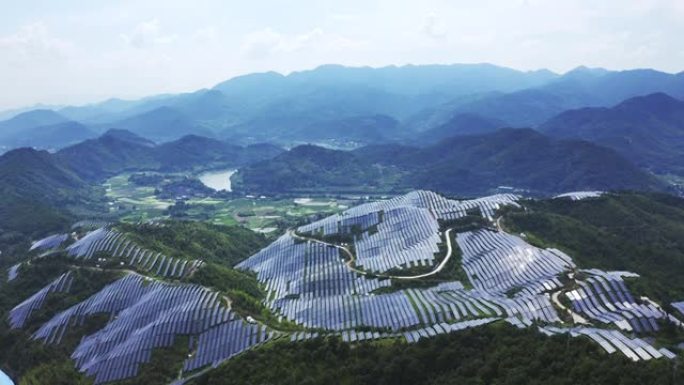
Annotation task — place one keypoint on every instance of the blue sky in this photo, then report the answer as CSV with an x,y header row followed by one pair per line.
x,y
74,52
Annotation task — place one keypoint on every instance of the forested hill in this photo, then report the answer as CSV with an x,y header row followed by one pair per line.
x,y
37,190
118,150
475,164
648,130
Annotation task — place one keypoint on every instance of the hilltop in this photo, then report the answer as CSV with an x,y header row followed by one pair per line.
x,y
466,165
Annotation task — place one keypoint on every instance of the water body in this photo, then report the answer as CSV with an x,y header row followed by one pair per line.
x,y
217,180
4,379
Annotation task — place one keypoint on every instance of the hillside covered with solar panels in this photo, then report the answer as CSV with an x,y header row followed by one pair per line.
x,y
142,303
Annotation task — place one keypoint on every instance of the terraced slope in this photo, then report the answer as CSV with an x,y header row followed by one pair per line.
x,y
336,278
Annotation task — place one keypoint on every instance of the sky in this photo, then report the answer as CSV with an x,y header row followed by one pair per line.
x,y
72,52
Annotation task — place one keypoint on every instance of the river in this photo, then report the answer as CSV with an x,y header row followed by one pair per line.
x,y
217,180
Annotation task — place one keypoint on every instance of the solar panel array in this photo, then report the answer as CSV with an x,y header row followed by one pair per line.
x,y
406,232
309,284
148,314
222,342
89,224
51,242
409,336
441,208
13,272
117,245
408,236
611,341
679,306
445,328
579,195
21,313
497,262
605,298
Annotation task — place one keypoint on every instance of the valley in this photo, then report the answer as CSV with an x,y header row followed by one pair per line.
x,y
416,224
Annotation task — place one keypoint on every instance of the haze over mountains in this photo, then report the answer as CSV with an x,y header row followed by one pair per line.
x,y
442,127
648,130
320,104
467,165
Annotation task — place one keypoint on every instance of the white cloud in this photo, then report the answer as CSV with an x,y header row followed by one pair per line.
x,y
205,34
434,27
268,42
33,43
148,34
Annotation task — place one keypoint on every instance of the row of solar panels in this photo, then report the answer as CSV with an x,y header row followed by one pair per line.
x,y
21,313
408,236
611,341
607,300
119,246
497,262
145,315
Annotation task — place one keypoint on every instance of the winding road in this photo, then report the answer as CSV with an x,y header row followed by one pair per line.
x,y
349,263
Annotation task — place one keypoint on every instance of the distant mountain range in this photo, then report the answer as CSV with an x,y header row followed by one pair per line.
x,y
647,130
335,104
118,151
42,129
467,165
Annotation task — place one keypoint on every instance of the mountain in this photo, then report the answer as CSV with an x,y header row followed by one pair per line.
x,y
161,124
520,158
37,191
128,137
195,151
362,129
581,87
112,153
51,136
524,159
648,130
313,168
42,129
460,124
31,119
326,104
119,151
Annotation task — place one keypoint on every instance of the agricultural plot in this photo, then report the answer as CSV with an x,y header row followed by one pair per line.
x,y
133,203
118,246
606,298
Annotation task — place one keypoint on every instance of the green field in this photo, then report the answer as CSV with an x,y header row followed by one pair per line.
x,y
134,203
